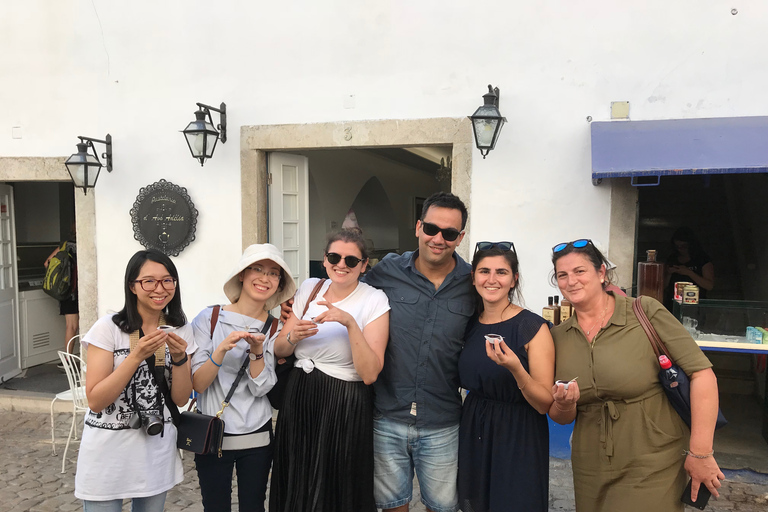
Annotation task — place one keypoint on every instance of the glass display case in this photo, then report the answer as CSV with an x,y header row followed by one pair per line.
x,y
722,324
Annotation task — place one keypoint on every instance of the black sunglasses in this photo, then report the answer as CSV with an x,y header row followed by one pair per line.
x,y
578,244
334,258
449,234
487,246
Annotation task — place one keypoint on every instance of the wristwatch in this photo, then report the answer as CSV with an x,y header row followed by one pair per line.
x,y
288,339
179,362
255,357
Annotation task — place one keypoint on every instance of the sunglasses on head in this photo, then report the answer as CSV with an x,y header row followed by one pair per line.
x,y
334,258
449,234
487,246
577,244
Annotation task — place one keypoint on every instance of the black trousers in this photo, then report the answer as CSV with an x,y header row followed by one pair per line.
x,y
215,475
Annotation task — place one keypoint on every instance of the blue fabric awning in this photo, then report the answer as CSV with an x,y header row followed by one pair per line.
x,y
726,145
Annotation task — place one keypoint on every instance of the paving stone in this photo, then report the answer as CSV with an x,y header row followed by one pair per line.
x,y
30,479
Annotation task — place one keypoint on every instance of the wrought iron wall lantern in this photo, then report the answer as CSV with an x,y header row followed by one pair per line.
x,y
200,134
84,167
487,122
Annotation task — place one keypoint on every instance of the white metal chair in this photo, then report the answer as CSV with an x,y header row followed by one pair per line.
x,y
75,394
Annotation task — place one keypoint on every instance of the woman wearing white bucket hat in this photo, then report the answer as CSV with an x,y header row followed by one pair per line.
x,y
226,336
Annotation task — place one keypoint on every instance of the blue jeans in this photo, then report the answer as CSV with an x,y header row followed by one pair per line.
x,y
399,448
154,503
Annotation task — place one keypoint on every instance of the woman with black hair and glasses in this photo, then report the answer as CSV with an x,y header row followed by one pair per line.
x,y
627,440
507,365
128,449
338,331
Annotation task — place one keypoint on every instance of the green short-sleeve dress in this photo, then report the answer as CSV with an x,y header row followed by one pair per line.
x,y
628,440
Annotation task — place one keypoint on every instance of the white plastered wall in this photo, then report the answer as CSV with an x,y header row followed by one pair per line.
x,y
136,69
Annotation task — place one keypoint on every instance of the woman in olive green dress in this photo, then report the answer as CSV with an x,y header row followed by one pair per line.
x,y
628,441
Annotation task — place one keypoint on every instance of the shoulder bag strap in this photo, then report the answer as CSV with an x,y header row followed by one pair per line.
x,y
312,296
267,324
658,345
214,318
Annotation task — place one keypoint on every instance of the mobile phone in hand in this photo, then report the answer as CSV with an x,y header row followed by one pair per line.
x,y
701,500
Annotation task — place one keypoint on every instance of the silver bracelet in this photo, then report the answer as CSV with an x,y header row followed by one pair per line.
x,y
705,456
288,339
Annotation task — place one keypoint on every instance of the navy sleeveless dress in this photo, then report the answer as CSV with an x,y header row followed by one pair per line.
x,y
503,440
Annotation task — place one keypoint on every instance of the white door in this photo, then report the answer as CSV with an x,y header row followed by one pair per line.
x,y
9,296
289,210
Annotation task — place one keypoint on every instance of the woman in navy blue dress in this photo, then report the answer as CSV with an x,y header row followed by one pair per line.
x,y
504,437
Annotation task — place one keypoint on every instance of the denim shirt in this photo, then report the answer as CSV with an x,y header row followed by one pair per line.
x,y
419,383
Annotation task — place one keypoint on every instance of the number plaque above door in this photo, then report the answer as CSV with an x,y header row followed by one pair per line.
x,y
164,218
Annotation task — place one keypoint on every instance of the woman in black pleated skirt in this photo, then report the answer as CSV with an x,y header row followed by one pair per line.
x,y
323,458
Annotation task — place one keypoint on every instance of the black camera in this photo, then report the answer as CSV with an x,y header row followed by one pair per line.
x,y
152,424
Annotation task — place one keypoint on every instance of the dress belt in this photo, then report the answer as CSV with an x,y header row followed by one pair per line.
x,y
246,441
610,413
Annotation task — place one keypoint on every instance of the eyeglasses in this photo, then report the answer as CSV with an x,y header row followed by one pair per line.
x,y
351,261
487,246
449,234
149,285
577,244
269,274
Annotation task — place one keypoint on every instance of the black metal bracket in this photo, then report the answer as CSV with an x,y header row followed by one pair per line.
x,y
222,126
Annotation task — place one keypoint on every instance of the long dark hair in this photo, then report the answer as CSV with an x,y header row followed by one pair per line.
x,y
515,293
128,319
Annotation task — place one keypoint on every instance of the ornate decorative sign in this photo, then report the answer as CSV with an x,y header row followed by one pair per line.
x,y
164,218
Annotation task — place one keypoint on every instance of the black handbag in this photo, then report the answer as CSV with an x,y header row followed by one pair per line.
x,y
675,382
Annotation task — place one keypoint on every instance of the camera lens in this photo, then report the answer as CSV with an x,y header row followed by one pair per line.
x,y
153,425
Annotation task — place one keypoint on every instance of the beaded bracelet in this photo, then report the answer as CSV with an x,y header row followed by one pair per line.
x,y
706,456
214,362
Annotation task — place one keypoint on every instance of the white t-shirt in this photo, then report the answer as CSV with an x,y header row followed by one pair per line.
x,y
116,461
329,350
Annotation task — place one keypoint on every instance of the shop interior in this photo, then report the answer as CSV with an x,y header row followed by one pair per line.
x,y
724,212
44,217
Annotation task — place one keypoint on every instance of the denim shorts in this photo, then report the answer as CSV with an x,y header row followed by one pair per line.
x,y
399,448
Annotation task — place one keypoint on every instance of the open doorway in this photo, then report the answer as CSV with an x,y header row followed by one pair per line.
x,y
370,139
379,191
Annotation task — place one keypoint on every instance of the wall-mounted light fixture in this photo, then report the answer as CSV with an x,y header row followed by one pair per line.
x,y
487,122
202,136
83,167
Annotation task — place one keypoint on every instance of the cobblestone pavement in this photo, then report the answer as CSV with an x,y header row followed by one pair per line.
x,y
31,478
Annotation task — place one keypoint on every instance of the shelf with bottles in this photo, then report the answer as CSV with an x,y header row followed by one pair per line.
x,y
721,325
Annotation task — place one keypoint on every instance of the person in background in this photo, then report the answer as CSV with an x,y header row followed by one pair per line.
x,y
504,436
69,308
688,262
258,282
627,440
324,433
122,453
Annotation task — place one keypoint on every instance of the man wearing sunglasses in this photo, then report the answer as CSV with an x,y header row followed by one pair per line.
x,y
418,406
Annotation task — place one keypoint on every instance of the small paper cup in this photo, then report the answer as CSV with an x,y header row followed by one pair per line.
x,y
493,339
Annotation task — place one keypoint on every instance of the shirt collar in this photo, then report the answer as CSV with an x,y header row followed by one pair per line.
x,y
619,316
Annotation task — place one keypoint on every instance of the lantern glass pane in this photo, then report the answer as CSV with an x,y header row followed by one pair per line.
x,y
211,144
196,141
484,131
